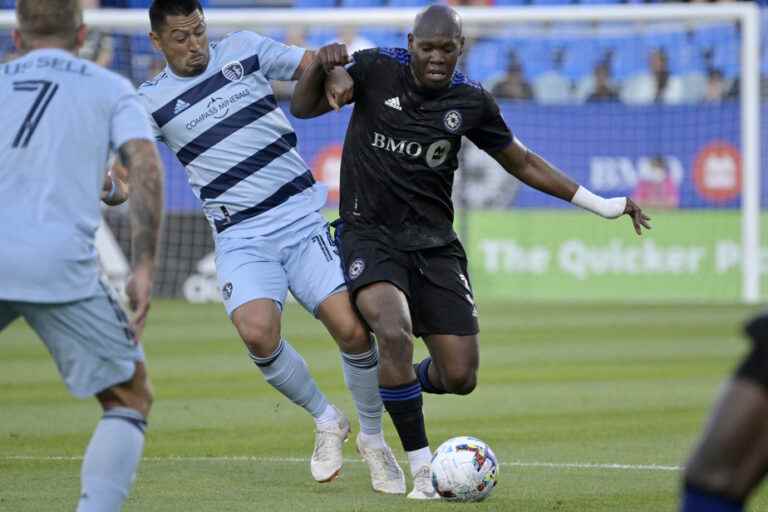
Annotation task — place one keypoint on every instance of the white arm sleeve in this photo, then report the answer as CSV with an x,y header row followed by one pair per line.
x,y
608,208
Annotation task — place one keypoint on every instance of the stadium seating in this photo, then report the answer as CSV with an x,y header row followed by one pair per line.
x,y
568,50
311,4
407,3
363,3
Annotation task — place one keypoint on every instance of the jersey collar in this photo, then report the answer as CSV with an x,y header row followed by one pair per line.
x,y
54,51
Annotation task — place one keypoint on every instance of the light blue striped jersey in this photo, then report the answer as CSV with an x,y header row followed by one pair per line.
x,y
62,116
236,144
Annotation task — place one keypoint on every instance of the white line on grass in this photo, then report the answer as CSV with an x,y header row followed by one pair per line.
x,y
520,464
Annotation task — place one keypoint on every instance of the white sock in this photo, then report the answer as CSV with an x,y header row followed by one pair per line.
x,y
419,458
288,373
361,374
111,459
372,440
329,414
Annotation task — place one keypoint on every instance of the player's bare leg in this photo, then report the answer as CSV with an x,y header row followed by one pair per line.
x,y
385,309
115,449
732,457
360,362
258,323
452,367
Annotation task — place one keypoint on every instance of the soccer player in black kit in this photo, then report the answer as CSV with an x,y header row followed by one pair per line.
x,y
406,269
731,459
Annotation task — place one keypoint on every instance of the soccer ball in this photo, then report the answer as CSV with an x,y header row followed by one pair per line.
x,y
464,469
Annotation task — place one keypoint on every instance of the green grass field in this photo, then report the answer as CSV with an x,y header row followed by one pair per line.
x,y
566,390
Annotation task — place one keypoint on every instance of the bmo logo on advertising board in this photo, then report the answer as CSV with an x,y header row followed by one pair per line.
x,y
717,172
621,173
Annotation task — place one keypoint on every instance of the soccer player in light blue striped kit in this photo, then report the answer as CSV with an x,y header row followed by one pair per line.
x,y
214,108
51,178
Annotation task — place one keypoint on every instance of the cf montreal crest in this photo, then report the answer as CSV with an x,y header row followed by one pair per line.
x,y
452,120
233,71
356,268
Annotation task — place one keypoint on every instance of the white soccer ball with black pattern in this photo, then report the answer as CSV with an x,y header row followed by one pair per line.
x,y
464,469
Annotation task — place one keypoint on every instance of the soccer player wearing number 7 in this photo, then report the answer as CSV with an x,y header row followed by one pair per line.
x,y
213,106
406,269
62,117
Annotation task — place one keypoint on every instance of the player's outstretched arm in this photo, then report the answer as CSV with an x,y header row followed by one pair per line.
x,y
145,178
536,172
115,188
324,85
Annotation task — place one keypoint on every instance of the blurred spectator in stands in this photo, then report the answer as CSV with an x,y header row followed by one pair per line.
x,y
603,89
353,40
294,36
656,187
553,87
657,85
717,86
98,47
482,182
471,3
513,85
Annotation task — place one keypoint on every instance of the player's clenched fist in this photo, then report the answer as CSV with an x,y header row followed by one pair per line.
x,y
339,88
332,55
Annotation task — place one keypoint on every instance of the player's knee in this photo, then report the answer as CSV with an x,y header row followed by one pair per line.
x,y
459,381
393,334
354,338
260,335
136,394
394,343
139,400
754,367
144,400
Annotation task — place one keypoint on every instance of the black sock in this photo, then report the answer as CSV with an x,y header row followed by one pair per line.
x,y
403,403
422,373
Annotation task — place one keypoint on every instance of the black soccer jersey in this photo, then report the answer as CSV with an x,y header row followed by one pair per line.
x,y
400,151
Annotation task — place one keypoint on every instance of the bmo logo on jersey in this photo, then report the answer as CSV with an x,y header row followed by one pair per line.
x,y
436,153
403,147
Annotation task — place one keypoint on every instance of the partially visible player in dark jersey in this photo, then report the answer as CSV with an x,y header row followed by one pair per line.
x,y
731,459
406,269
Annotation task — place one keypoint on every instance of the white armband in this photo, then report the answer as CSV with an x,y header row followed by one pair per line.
x,y
608,208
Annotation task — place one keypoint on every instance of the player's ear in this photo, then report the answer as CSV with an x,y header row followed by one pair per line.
x,y
80,36
461,45
155,41
17,40
410,41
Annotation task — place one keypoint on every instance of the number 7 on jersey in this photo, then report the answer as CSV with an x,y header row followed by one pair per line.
x,y
46,90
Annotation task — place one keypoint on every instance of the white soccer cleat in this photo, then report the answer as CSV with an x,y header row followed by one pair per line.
x,y
327,458
386,475
422,485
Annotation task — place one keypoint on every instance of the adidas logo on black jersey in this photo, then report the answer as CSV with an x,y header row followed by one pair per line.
x,y
180,106
394,103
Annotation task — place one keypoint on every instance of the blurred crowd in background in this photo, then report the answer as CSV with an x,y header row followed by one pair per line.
x,y
552,63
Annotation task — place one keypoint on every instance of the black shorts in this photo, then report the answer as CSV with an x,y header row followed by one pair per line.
x,y
434,280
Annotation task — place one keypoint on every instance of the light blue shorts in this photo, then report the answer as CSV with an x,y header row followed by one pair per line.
x,y
89,339
301,257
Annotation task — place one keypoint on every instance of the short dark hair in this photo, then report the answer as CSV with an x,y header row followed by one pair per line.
x,y
160,9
